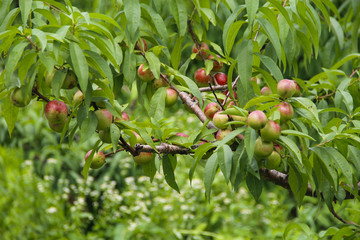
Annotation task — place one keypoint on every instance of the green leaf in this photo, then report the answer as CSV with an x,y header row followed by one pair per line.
x,y
80,65
209,14
149,169
291,226
341,163
178,9
344,60
115,136
272,35
225,155
231,29
157,21
25,8
296,133
12,60
250,138
57,82
154,64
105,18
192,86
254,185
209,173
102,66
245,59
157,104
251,8
230,36
327,165
10,113
128,66
336,27
271,65
293,148
132,13
169,172
41,36
298,184
176,53
88,126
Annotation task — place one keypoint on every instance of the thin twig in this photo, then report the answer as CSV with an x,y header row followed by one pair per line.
x,y
112,153
32,43
51,6
216,88
217,99
40,96
233,87
340,218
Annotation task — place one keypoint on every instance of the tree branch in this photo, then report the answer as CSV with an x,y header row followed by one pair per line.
x,y
282,180
40,96
340,218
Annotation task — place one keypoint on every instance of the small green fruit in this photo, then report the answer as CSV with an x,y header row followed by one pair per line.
x,y
273,161
263,149
143,158
98,160
257,119
104,119
18,99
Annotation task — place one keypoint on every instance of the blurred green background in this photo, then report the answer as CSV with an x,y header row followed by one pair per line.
x,y
44,196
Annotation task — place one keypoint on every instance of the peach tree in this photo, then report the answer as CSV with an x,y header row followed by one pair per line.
x,y
274,85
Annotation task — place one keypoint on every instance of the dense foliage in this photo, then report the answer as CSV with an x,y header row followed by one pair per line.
x,y
119,77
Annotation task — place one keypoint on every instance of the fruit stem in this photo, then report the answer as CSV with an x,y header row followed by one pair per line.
x,y
36,91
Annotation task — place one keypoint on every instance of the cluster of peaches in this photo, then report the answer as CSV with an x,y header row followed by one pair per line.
x,y
269,131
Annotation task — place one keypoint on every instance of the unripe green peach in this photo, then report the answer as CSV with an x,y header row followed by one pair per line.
x,y
286,88
171,97
273,161
221,134
286,112
263,149
257,119
124,117
266,91
98,160
105,135
158,83
220,120
70,80
145,75
271,131
104,119
18,99
78,98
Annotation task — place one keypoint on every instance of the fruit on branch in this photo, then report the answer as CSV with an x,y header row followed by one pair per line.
x,y
98,160
78,98
104,119
273,160
105,135
221,134
266,91
70,80
124,117
211,109
202,78
217,65
56,111
203,47
257,119
221,78
256,79
18,99
286,111
271,131
171,97
143,158
220,120
57,127
141,45
158,83
286,88
144,73
262,148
